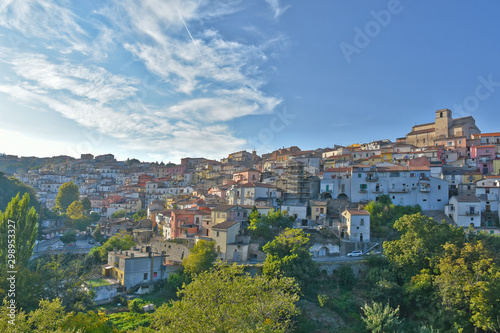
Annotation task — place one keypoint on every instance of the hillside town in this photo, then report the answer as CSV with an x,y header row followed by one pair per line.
x,y
447,167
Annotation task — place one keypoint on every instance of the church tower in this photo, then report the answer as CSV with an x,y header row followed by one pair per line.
x,y
443,123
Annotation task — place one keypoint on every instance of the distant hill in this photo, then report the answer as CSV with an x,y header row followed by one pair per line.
x,y
9,187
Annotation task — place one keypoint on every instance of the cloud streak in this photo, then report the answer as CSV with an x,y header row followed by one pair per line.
x,y
201,79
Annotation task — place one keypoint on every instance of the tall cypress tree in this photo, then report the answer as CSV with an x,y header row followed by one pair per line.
x,y
20,222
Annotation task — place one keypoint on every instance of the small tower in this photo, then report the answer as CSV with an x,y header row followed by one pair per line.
x,y
443,123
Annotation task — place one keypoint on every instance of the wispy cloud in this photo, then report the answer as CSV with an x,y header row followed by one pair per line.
x,y
276,7
202,79
44,20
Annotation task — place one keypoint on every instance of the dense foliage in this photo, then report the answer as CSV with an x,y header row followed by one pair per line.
x,y
225,299
68,193
288,255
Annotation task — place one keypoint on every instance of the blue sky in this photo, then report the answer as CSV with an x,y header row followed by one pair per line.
x,y
160,80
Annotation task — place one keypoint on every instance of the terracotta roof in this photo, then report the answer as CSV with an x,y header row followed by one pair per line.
x,y
358,212
343,169
225,225
489,134
255,185
427,124
223,207
470,198
430,130
484,146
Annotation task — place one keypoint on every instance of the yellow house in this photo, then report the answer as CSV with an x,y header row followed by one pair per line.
x,y
374,160
496,166
318,209
386,155
471,177
329,164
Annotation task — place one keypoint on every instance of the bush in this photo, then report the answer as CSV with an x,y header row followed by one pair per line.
x,y
323,300
136,305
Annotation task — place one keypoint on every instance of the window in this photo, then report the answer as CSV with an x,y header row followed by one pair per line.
x,y
362,222
359,175
145,276
155,274
439,187
317,209
217,234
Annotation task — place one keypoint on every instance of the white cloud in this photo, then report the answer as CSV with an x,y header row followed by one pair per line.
x,y
276,7
203,78
43,19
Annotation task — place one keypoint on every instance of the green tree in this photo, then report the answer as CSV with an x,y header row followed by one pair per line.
x,y
68,193
119,213
120,241
140,215
383,214
49,317
201,258
380,319
98,236
18,232
288,255
68,237
469,286
422,238
264,225
10,187
83,223
225,299
94,217
12,322
75,210
86,204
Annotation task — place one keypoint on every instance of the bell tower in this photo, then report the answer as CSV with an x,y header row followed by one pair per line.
x,y
443,123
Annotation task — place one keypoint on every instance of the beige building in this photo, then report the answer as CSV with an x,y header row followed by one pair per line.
x,y
224,234
444,126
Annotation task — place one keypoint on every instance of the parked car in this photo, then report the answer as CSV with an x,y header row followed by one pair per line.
x,y
355,254
91,241
374,253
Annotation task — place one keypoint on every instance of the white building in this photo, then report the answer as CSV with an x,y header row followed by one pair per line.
x,y
245,194
358,224
464,210
488,191
405,185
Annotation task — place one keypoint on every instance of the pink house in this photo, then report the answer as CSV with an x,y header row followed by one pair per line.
x,y
484,156
247,176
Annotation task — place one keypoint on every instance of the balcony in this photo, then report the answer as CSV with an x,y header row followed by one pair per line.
x,y
472,213
362,190
425,189
400,190
371,178
377,191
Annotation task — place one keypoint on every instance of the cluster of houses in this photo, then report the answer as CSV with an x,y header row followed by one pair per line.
x,y
447,166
